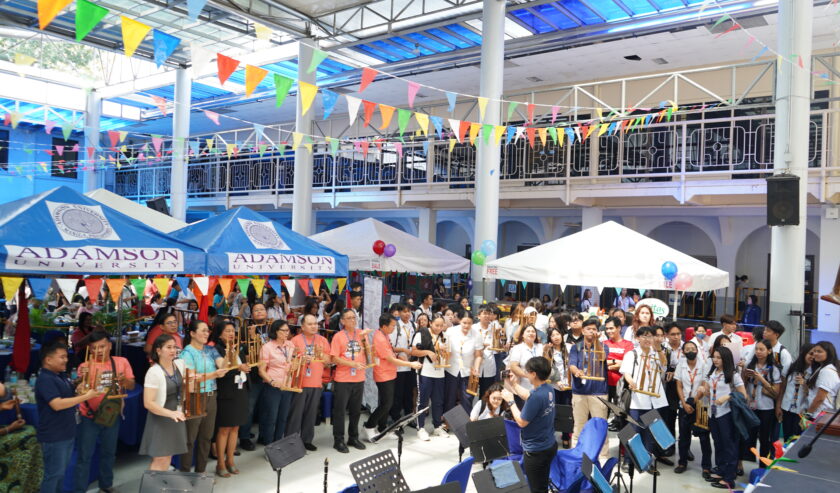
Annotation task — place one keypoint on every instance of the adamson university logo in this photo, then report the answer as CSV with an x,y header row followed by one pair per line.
x,y
264,237
81,222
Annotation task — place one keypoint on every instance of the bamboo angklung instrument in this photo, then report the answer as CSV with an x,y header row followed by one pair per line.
x,y
442,353
593,363
194,401
472,385
293,382
648,385
701,410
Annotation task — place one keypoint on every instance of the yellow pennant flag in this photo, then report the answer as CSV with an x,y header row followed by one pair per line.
x,y
253,77
297,137
423,121
25,60
258,284
452,143
210,143
482,106
49,9
560,136
115,287
162,285
308,147
342,281
262,32
499,130
474,129
10,286
543,134
230,148
600,112
133,33
307,95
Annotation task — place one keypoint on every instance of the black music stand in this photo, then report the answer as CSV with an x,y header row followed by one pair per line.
x,y
595,478
620,412
564,420
634,448
379,473
283,452
484,483
450,487
488,439
157,481
458,418
398,427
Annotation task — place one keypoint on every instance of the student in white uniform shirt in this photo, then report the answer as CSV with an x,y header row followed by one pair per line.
x,y
689,376
406,377
490,405
824,382
467,348
772,332
794,393
525,348
763,376
719,384
701,340
488,359
431,379
728,327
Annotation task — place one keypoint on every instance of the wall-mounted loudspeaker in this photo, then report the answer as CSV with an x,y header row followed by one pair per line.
x,y
158,204
783,200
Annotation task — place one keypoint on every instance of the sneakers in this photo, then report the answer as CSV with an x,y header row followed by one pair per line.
x,y
370,433
440,432
422,434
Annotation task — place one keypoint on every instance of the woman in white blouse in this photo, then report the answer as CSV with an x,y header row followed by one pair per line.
x,y
525,348
763,376
794,393
557,353
467,346
824,381
491,404
165,433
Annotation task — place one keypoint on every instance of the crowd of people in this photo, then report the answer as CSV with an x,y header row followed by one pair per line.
x,y
437,355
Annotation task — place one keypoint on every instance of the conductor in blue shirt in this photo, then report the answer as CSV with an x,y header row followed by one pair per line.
x,y
536,420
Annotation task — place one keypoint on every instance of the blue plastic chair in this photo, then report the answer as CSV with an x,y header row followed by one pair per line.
x,y
350,489
514,438
565,468
460,472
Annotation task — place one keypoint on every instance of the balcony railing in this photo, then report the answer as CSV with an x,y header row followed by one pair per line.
x,y
739,147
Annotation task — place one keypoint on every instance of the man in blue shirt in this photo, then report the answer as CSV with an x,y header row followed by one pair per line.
x,y
57,401
585,391
537,422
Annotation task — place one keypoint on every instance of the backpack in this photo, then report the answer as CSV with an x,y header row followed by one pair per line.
x,y
109,410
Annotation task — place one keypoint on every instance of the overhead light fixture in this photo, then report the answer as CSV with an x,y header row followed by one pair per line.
x,y
534,79
660,61
633,58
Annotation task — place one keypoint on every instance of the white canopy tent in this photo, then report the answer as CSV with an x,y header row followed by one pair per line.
x,y
605,255
150,217
413,254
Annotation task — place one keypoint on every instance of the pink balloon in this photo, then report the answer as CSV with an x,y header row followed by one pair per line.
x,y
683,281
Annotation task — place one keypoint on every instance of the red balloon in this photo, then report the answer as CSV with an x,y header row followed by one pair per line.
x,y
378,247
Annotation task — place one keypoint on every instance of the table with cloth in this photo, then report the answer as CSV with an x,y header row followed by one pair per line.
x,y
34,361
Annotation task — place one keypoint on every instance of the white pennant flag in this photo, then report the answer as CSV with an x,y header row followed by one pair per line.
x,y
353,109
67,287
519,132
201,58
454,125
203,284
291,286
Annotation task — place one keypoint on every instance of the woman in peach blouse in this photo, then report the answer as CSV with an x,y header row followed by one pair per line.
x,y
276,356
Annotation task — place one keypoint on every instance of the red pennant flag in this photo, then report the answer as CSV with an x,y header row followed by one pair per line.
x,y
93,287
531,134
113,137
21,348
206,300
368,74
462,130
531,113
90,151
226,66
304,284
365,145
369,107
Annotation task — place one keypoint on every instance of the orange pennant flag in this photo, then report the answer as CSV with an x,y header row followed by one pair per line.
x,y
253,77
225,283
93,287
225,65
387,113
531,134
162,285
115,287
316,286
304,284
49,9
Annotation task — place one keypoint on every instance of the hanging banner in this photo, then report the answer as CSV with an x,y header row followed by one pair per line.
x,y
307,94
368,74
133,33
282,86
225,65
48,10
88,15
253,77
164,45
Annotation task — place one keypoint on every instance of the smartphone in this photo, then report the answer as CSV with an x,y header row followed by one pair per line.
x,y
505,375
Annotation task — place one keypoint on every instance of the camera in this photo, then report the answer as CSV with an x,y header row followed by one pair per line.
x,y
505,375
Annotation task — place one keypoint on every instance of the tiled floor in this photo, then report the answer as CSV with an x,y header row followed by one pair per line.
x,y
423,465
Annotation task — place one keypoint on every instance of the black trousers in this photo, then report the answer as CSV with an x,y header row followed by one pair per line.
x,y
536,467
686,422
455,391
764,434
404,399
347,399
790,424
379,417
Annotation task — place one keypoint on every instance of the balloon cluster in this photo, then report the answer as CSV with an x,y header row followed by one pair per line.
x,y
682,281
380,248
488,248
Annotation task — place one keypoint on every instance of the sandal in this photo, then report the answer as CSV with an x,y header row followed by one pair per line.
x,y
232,469
222,472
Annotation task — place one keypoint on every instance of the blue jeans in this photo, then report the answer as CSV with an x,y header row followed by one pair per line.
x,y
56,458
274,412
431,389
255,390
726,446
87,434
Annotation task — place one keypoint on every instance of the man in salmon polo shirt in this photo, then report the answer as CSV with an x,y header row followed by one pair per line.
x,y
305,404
385,375
349,358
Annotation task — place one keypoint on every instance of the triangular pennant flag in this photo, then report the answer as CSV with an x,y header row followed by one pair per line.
x,y
243,285
67,129
212,116
304,284
723,18
162,285
423,122
160,102
183,283
68,288
413,88
226,283
454,125
316,286
226,66
328,100
452,143
532,132
642,292
133,33
542,131
123,135
604,126
365,145
194,8
259,131
202,283
452,99
297,138
88,15
552,131
49,9
509,136
259,285
157,142
353,104
210,143
139,286
15,117
387,113
369,107
253,77
437,122
462,130
164,45
486,132
511,108
10,286
554,110
201,58
115,287
474,129
571,134
342,281
282,86
291,287
368,74
39,287
262,32
113,137
333,145
49,125
399,149
230,149
318,56
403,117
482,106
524,284
330,284
60,150
498,132
93,287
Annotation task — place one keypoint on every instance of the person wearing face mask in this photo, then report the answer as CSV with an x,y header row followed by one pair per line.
x,y
689,375
701,341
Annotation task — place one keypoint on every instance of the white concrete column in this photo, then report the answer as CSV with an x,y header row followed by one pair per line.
x,y
793,97
302,217
828,314
591,216
427,224
93,110
487,184
180,133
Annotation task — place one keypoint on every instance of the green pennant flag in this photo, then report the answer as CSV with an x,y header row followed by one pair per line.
x,y
403,116
333,150
669,113
511,108
330,283
88,15
243,285
139,285
719,21
262,148
486,132
282,85
66,129
318,56
552,131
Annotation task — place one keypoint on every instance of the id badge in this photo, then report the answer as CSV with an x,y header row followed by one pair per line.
x,y
352,372
308,372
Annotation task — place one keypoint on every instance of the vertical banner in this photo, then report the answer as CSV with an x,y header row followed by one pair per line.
x,y
371,310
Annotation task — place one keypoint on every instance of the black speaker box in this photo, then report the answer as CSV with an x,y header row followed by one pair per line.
x,y
158,204
783,200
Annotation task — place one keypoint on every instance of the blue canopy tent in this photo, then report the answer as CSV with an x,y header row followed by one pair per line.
x,y
244,242
61,231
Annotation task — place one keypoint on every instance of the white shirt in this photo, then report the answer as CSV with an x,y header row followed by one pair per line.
x,y
781,352
521,353
428,369
828,380
477,413
629,336
401,337
276,313
463,348
796,396
634,365
510,328
488,361
755,390
719,388
561,380
702,347
541,323
689,379
676,354
732,338
423,309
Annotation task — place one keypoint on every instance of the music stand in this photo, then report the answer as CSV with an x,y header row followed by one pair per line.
x,y
620,412
653,422
283,452
379,473
634,447
488,439
450,487
458,418
398,427
564,420
483,481
595,478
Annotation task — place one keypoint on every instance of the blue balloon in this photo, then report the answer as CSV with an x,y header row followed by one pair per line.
x,y
669,270
488,247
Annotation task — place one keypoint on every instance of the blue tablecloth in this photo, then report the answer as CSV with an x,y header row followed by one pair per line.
x,y
138,360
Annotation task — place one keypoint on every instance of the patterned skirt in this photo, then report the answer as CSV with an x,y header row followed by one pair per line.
x,y
21,463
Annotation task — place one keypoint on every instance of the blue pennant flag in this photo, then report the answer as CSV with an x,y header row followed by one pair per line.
x,y
438,123
330,98
164,45
184,282
571,134
502,281
259,131
524,284
451,98
612,128
39,287
511,131
426,147
194,8
194,146
648,118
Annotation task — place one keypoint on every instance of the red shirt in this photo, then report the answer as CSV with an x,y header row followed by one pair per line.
x,y
349,348
385,371
314,371
617,352
88,407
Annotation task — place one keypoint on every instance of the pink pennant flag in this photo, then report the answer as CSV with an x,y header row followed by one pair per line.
x,y
554,110
48,126
60,150
413,88
75,147
90,151
213,116
365,145
48,152
398,148
160,103
156,143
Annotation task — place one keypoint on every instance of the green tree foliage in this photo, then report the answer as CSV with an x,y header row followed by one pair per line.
x,y
51,54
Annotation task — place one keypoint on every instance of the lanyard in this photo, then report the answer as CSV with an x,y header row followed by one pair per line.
x,y
795,392
755,385
352,347
714,381
174,379
285,351
310,348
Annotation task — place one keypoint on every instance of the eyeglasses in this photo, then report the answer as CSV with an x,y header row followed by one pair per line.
x,y
171,322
